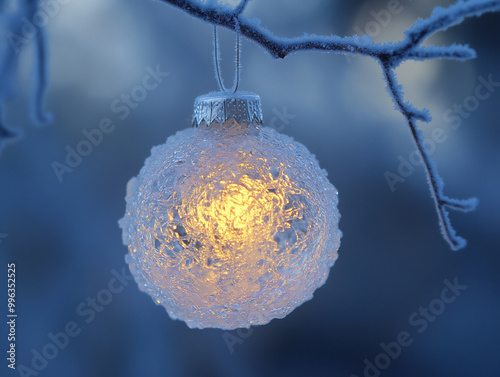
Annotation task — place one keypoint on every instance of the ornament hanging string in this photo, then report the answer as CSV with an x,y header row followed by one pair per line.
x,y
237,73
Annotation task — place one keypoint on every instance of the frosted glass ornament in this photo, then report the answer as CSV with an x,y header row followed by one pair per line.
x,y
229,223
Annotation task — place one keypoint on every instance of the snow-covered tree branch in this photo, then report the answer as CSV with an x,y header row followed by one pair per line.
x,y
389,55
409,48
17,36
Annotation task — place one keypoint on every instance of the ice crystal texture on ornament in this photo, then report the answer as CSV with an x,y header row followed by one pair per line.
x,y
230,226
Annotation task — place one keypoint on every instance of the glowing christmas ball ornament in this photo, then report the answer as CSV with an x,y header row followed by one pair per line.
x,y
230,224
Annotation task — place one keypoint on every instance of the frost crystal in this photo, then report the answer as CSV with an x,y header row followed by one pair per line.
x,y
230,225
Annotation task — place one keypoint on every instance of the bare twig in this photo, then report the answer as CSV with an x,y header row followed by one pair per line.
x,y
39,115
9,59
241,7
434,179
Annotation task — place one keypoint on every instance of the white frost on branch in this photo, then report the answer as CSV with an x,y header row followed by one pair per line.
x,y
11,23
389,55
409,48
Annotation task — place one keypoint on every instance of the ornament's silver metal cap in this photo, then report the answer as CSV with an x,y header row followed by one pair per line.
x,y
220,107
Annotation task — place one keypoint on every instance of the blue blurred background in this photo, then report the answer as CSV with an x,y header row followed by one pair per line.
x,y
393,261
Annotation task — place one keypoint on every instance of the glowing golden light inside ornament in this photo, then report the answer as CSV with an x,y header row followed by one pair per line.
x,y
238,214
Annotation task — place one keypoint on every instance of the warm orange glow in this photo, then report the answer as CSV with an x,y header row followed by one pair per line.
x,y
233,214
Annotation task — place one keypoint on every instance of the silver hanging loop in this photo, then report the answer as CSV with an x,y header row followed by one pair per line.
x,y
238,61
